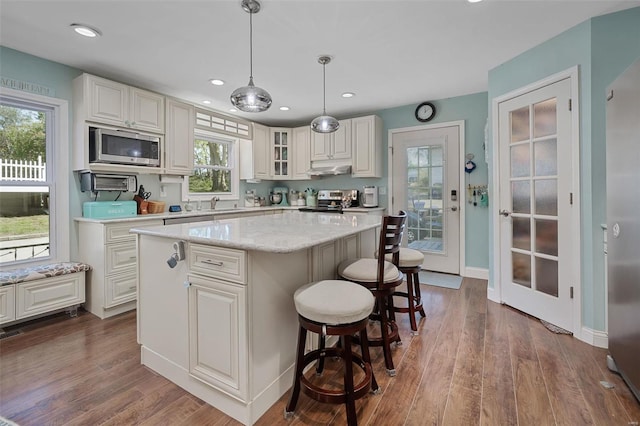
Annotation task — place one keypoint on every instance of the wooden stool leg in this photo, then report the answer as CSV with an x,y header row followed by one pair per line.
x,y
384,331
352,418
416,284
411,302
295,391
322,337
366,357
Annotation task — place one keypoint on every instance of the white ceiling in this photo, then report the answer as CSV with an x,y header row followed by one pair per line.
x,y
390,53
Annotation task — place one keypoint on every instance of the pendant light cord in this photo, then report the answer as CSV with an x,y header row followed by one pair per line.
x,y
251,44
324,90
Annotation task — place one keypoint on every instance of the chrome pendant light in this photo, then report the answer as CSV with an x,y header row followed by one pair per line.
x,y
324,123
251,98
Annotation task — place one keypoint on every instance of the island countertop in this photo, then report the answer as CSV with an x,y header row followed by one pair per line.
x,y
281,233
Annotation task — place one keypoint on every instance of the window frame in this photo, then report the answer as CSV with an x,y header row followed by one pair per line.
x,y
57,167
234,156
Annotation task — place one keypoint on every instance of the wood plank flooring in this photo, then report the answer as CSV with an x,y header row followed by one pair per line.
x,y
473,362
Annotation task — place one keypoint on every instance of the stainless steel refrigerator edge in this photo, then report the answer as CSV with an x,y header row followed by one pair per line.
x,y
623,225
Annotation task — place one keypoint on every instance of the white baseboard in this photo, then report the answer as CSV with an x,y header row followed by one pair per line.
x,y
493,295
479,273
593,337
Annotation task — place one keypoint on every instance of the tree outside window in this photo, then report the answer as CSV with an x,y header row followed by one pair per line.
x,y
215,171
24,184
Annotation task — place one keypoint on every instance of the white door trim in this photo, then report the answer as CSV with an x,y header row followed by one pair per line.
x,y
462,193
495,293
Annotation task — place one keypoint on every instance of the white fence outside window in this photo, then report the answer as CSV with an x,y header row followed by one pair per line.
x,y
22,170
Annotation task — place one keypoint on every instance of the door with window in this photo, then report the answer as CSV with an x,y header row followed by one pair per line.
x,y
535,203
426,184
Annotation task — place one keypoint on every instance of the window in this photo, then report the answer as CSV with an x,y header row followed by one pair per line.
x,y
34,225
215,168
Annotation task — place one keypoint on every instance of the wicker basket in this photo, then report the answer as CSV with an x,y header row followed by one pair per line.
x,y
155,207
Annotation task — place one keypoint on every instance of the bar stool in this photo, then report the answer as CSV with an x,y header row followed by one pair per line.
x,y
333,308
410,264
381,277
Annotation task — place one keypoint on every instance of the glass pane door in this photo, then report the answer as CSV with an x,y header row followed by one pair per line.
x,y
424,208
534,196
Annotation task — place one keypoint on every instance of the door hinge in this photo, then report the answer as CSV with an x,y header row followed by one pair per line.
x,y
571,198
570,105
571,292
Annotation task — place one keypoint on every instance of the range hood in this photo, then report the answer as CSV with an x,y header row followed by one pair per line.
x,y
329,170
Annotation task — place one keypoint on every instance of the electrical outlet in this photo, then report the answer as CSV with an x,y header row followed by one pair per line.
x,y
163,193
383,190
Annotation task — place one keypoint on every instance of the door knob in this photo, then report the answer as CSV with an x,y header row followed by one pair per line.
x,y
505,213
454,208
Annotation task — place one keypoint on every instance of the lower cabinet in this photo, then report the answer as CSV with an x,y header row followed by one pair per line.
x,y
112,283
218,334
7,303
46,295
31,298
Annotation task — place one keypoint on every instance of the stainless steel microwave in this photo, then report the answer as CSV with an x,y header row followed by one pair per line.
x,y
123,147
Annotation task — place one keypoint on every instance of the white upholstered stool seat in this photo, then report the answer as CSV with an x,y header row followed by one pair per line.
x,y
408,258
333,308
334,302
366,270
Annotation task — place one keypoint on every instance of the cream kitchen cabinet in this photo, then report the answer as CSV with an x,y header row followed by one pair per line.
x,y
7,303
104,101
42,296
217,318
111,251
217,295
332,146
281,157
179,138
261,149
301,153
366,135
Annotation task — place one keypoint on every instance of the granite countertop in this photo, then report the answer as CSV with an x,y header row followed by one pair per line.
x,y
207,212
272,233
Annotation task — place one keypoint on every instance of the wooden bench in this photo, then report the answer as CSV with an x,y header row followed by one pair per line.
x,y
38,290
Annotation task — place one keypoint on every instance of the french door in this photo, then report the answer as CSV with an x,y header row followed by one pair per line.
x,y
535,164
426,184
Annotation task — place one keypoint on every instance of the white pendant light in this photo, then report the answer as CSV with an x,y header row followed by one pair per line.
x,y
251,98
324,123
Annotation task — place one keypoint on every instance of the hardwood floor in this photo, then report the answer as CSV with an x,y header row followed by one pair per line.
x,y
473,362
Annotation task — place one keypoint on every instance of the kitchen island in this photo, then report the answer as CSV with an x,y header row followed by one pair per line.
x,y
222,323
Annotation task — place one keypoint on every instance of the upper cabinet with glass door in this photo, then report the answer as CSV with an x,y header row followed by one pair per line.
x,y
281,153
104,101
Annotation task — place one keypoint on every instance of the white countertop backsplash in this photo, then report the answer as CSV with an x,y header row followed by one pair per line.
x,y
280,233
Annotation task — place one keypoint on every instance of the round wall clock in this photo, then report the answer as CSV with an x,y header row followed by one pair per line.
x,y
425,112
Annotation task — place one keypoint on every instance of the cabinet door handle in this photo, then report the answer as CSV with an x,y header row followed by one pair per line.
x,y
132,257
132,288
212,262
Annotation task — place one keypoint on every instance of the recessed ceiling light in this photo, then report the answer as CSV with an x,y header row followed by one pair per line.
x,y
348,95
86,30
216,82
284,108
233,110
206,102
474,1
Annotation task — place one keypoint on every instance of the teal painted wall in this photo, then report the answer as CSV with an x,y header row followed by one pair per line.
x,y
602,48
